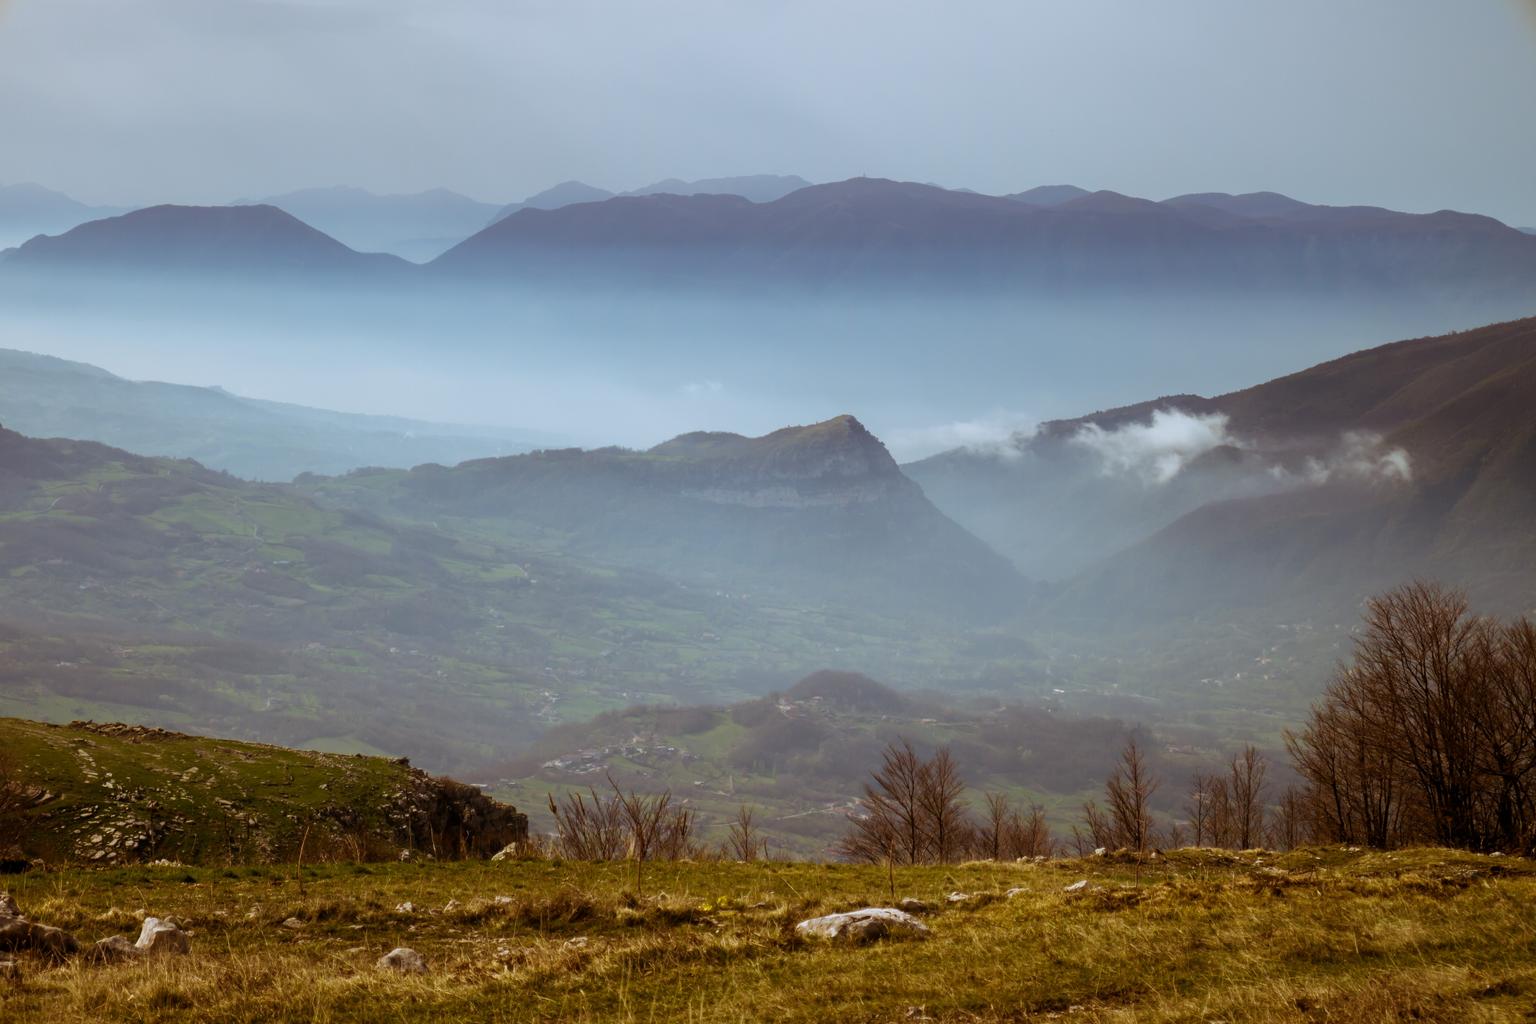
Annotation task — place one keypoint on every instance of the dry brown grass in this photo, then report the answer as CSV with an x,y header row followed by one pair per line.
x,y
1314,936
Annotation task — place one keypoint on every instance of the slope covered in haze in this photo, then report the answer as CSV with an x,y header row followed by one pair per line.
x,y
47,397
1416,458
28,210
417,227
157,591
822,509
198,241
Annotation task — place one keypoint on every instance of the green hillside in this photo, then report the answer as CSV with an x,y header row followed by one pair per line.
x,y
156,591
116,794
800,758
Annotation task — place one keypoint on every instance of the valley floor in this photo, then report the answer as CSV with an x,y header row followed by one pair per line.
x,y
1313,935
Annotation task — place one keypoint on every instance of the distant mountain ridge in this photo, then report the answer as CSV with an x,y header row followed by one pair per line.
x,y
875,233
758,188
878,230
203,240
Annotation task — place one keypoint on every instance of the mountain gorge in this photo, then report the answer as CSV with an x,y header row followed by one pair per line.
x,y
1411,459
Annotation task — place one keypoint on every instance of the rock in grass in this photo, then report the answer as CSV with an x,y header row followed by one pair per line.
x,y
293,924
159,936
402,961
17,933
913,906
509,852
113,950
860,926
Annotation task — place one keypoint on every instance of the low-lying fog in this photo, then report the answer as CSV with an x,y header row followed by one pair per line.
x,y
925,373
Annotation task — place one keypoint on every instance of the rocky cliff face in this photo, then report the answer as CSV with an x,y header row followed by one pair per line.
x,y
833,464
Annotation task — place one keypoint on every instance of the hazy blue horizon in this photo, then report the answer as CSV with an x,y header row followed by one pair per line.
x,y
180,101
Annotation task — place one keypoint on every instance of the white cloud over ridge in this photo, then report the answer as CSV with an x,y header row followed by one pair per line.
x,y
1157,451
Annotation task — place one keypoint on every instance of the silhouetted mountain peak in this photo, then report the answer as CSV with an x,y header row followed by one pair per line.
x,y
1049,195
197,238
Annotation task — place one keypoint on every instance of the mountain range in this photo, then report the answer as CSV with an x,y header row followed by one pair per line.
x,y
874,232
757,188
44,396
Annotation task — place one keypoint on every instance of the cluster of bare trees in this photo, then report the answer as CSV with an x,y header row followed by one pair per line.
x,y
914,812
624,824
1226,808
1429,736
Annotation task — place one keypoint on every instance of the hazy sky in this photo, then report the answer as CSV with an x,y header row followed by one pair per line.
x,y
1417,104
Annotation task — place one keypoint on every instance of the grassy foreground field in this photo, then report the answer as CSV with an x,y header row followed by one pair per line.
x,y
1314,935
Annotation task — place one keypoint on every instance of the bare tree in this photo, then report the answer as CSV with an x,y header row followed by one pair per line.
x,y
677,838
647,820
1199,810
743,842
1245,785
890,820
1128,791
991,833
941,810
588,827
1290,824
1030,835
1429,735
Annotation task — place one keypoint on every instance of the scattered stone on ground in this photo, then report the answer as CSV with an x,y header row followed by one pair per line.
x,y
405,908
402,961
860,926
913,906
1016,891
957,897
112,950
1081,885
294,924
159,936
17,933
508,852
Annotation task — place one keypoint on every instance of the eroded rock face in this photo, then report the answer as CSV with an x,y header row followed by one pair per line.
x,y
159,936
402,961
860,926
